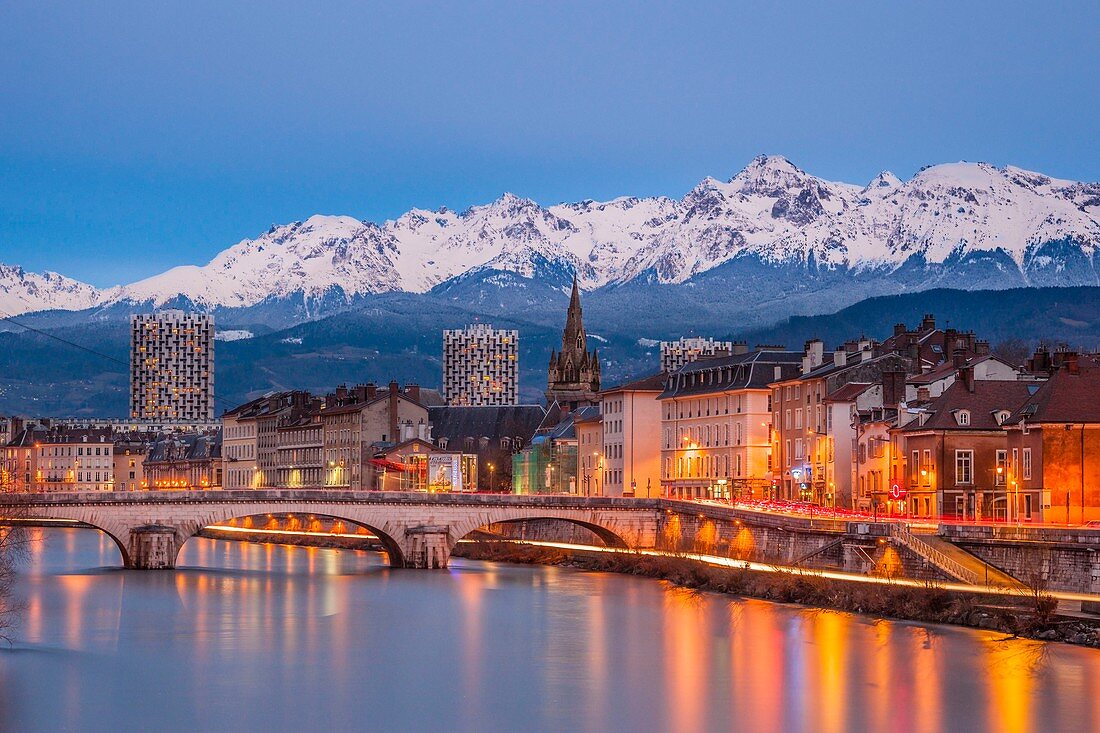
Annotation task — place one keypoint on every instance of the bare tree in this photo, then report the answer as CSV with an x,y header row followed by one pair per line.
x,y
13,547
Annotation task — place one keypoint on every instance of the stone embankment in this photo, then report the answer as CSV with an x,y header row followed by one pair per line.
x,y
1030,615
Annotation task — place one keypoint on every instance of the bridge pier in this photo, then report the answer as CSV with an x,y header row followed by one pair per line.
x,y
427,546
152,547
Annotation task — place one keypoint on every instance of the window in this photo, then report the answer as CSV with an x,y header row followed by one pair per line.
x,y
787,420
788,452
798,448
927,462
914,466
964,467
962,417
1000,473
798,419
1027,463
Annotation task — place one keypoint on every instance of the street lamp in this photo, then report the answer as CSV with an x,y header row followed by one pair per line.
x,y
492,478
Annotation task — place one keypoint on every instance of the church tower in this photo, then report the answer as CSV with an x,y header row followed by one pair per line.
x,y
574,375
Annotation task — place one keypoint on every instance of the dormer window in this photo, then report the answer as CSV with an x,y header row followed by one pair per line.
x,y
962,417
1000,416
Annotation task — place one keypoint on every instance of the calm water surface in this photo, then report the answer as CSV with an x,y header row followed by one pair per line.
x,y
271,638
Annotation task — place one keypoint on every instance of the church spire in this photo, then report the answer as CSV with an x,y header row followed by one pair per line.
x,y
574,375
573,338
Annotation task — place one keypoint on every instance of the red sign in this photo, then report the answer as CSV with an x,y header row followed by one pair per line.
x,y
896,492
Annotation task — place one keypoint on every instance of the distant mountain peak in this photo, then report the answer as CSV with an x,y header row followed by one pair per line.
x,y
1025,227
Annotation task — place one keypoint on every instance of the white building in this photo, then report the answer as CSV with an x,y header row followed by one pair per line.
x,y
674,354
481,366
172,367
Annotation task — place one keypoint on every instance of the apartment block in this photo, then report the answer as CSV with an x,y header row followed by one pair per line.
x,y
675,354
172,366
481,366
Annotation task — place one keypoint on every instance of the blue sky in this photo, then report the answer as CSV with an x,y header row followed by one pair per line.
x,y
135,136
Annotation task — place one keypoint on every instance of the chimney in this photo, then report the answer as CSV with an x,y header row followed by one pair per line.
x,y
412,391
928,323
899,329
923,395
815,349
740,347
966,376
342,393
1071,362
393,387
371,390
958,358
840,357
893,387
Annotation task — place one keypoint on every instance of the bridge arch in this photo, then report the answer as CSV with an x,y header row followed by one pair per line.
x,y
84,519
606,529
391,545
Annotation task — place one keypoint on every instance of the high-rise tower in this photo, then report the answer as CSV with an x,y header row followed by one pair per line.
x,y
573,379
172,366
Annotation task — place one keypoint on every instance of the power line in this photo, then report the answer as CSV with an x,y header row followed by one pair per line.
x,y
115,360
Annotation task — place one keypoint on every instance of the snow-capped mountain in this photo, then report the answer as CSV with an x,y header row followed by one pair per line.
x,y
962,224
22,292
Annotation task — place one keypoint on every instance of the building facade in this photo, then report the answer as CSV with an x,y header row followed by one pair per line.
x,y
1054,445
481,366
716,424
172,367
956,451
631,434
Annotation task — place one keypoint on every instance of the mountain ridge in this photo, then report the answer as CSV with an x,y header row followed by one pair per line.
x,y
952,223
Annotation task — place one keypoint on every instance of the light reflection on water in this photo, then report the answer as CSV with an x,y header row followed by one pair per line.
x,y
266,637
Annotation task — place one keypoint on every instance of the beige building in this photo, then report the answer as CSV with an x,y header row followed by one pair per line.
x,y
299,450
74,460
250,438
358,423
172,366
716,424
129,464
632,437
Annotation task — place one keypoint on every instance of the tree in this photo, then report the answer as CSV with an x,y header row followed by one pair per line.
x,y
13,544
1015,351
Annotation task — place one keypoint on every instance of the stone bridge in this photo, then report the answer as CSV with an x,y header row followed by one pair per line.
x,y
417,530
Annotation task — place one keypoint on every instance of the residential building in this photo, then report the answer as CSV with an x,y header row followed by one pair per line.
x,y
129,461
573,379
716,424
492,434
674,354
172,366
957,450
361,422
591,460
1053,439
481,366
59,458
250,440
299,447
631,434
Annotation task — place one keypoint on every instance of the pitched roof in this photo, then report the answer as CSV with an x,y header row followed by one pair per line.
x,y
848,392
983,403
458,422
1067,397
754,370
652,383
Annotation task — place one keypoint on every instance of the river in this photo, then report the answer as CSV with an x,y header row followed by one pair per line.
x,y
247,637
